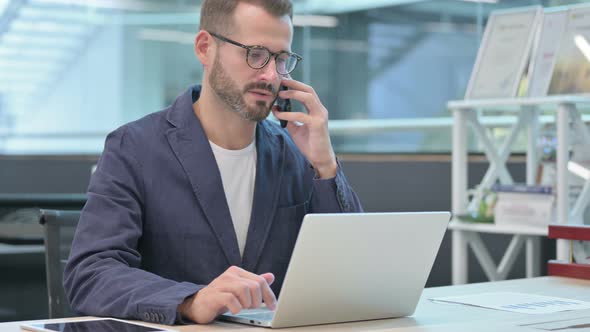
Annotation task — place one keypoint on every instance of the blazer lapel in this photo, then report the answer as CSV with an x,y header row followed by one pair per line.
x,y
191,147
269,171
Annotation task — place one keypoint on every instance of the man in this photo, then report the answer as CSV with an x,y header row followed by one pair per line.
x,y
194,210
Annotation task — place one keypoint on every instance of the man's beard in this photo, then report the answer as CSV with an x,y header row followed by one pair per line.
x,y
226,90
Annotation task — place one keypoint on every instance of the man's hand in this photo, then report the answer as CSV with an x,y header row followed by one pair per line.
x,y
234,290
312,137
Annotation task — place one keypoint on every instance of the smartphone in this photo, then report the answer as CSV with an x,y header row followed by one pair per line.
x,y
284,105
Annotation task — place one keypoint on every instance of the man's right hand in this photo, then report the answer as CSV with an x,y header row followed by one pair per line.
x,y
234,290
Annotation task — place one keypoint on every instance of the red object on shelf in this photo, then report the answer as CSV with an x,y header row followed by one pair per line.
x,y
569,232
567,269
571,270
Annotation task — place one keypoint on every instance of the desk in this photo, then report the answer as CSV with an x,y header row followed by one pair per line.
x,y
442,317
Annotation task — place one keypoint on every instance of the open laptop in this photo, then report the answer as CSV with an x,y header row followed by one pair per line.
x,y
352,267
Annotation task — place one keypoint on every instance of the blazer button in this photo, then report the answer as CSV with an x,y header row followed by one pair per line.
x,y
161,318
146,316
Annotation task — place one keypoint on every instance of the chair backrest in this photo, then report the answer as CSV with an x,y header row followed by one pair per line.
x,y
60,227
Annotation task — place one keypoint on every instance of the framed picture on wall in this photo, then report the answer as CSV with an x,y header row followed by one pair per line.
x,y
571,74
504,53
549,36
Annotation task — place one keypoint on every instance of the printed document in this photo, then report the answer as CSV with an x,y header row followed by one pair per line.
x,y
517,302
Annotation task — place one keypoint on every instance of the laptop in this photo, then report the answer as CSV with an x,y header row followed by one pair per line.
x,y
353,267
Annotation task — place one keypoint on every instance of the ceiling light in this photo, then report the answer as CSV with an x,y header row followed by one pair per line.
x,y
578,170
582,44
25,39
339,6
62,15
483,1
315,21
42,53
136,5
164,35
47,27
3,5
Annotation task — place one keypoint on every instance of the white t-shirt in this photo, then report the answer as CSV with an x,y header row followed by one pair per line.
x,y
238,174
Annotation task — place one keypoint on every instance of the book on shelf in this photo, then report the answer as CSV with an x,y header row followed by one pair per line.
x,y
520,204
522,188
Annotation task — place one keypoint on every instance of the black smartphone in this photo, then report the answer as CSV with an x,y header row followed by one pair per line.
x,y
284,105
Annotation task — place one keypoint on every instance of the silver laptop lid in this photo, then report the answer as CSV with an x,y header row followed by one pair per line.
x,y
360,266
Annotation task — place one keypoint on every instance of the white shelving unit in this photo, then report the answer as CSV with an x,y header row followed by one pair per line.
x,y
527,111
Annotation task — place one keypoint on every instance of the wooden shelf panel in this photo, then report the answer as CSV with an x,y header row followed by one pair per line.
x,y
571,270
570,232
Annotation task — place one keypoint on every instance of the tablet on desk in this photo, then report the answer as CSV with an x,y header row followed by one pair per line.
x,y
94,325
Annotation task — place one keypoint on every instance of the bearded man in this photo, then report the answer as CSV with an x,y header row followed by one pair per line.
x,y
194,210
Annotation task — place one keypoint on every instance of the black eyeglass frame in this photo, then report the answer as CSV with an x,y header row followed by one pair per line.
x,y
270,53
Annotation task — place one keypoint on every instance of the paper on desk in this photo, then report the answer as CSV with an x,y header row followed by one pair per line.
x,y
578,324
517,302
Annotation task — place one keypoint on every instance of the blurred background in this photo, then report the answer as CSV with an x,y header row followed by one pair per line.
x,y
71,71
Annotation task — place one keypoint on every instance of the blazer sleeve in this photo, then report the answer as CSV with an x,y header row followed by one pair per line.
x,y
103,275
334,195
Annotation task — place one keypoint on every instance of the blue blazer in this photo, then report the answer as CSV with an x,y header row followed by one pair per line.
x,y
157,228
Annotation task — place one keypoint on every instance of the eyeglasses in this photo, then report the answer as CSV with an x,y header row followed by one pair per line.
x,y
258,56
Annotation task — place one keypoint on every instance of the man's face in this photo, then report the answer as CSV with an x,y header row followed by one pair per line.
x,y
250,92
234,95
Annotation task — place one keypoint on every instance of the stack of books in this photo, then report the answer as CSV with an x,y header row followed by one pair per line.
x,y
520,204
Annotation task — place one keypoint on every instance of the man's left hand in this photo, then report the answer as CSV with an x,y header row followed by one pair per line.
x,y
310,134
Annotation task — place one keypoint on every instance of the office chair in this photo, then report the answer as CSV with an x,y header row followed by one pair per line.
x,y
60,227
20,227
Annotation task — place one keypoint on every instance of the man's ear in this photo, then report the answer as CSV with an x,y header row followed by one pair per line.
x,y
204,48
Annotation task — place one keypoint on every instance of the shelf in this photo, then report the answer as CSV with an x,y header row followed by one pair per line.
x,y
566,109
518,102
493,228
570,232
571,270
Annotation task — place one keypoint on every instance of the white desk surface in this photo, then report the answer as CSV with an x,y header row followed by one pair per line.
x,y
437,317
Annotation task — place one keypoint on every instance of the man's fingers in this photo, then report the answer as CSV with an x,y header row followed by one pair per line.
x,y
262,284
306,98
311,102
269,277
293,116
296,85
241,290
255,294
230,301
268,296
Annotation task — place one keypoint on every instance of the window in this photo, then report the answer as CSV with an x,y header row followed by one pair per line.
x,y
73,70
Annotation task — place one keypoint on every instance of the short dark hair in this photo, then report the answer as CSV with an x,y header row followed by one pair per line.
x,y
216,15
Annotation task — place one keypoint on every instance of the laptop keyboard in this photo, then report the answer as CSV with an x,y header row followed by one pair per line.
x,y
263,315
